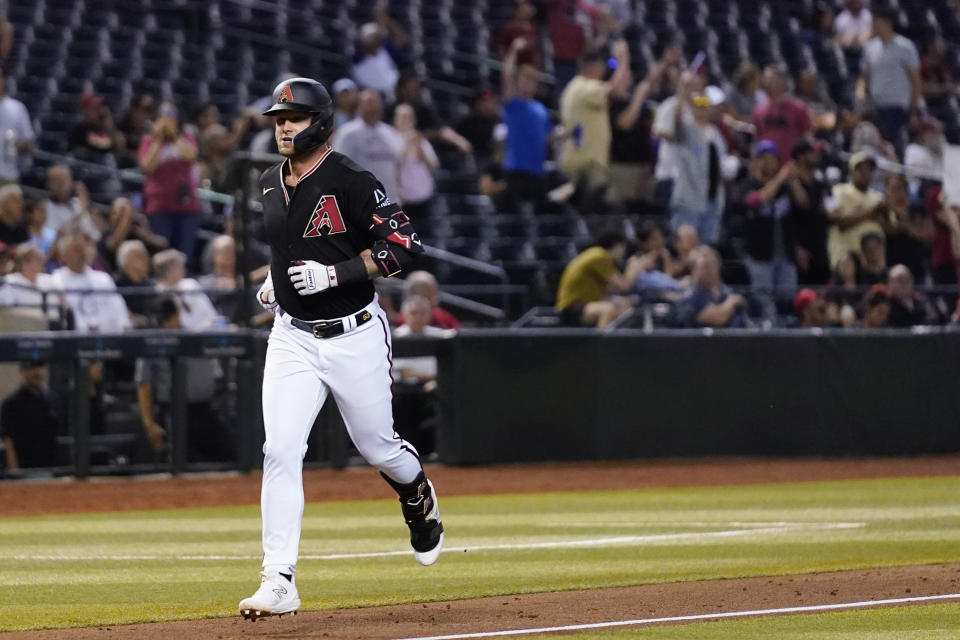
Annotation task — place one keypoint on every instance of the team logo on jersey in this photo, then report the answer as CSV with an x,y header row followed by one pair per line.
x,y
285,96
326,219
382,199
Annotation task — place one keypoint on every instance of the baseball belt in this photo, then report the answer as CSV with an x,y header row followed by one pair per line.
x,y
327,328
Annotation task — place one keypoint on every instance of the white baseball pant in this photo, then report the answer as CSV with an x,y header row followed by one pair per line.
x,y
300,371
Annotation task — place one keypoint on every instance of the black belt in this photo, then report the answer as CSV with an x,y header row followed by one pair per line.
x,y
327,328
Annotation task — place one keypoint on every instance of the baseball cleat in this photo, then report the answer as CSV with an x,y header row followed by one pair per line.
x,y
275,597
426,530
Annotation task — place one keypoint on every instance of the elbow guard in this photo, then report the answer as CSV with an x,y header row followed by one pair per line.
x,y
396,243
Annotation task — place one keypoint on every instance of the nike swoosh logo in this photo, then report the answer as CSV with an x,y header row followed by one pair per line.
x,y
267,190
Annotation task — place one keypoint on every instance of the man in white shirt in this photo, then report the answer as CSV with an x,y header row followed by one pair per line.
x,y
376,69
69,202
93,312
853,25
371,143
197,313
17,134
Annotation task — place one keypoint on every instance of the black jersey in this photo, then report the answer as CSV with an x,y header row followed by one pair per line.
x,y
328,217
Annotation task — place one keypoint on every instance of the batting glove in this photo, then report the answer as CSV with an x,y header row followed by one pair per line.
x,y
309,277
265,295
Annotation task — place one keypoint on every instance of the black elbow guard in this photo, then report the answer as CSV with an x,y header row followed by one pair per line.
x,y
396,243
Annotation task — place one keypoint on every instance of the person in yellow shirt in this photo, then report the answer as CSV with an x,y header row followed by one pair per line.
x,y
591,286
584,114
856,209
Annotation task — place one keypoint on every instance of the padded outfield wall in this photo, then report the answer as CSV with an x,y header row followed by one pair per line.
x,y
519,396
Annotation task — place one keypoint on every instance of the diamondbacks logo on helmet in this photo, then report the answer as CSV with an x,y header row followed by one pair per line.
x,y
286,95
326,219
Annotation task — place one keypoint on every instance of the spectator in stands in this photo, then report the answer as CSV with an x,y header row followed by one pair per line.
x,y
69,203
908,307
811,308
13,226
688,172
222,283
18,135
770,230
418,161
937,78
197,313
631,149
843,293
709,303
520,26
133,270
91,295
909,229
867,137
169,158
809,214
873,248
592,286
24,287
423,283
584,113
684,242
6,37
924,156
743,91
376,64
215,142
372,144
856,209
654,282
410,92
95,137
415,379
853,25
208,440
783,118
29,424
35,218
812,92
528,131
877,308
945,258
127,223
479,127
890,75
345,99
135,124
567,37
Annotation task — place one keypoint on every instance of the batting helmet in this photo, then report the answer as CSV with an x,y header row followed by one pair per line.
x,y
306,96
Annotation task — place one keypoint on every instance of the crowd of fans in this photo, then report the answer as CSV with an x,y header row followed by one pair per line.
x,y
815,209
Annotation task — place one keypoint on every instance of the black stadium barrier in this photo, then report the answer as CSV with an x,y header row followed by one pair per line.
x,y
542,395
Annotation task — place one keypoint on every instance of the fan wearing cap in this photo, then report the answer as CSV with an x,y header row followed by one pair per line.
x,y
770,236
345,98
688,170
810,308
854,208
332,228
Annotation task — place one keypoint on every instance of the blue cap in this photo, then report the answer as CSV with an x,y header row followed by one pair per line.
x,y
766,146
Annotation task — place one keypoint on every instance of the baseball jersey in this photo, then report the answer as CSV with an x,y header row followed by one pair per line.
x,y
328,218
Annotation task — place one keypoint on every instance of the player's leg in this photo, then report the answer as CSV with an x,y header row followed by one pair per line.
x,y
360,382
292,396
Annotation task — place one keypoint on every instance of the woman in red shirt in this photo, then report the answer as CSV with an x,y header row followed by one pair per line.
x,y
169,159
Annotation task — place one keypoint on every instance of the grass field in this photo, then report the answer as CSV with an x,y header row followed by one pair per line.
x,y
96,569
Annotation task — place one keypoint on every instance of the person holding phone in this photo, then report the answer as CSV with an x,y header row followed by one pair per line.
x,y
168,157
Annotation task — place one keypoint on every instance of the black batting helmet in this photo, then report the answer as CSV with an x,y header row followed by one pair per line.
x,y
306,96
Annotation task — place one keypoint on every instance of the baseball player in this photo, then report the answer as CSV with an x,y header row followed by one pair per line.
x,y
331,228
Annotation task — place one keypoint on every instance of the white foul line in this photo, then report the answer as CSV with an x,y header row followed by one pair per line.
x,y
558,544
692,618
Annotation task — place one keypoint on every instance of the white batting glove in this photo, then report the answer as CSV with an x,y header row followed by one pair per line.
x,y
309,277
265,295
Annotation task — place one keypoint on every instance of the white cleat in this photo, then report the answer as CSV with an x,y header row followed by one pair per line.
x,y
427,531
275,597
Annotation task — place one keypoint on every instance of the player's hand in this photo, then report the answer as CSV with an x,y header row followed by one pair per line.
x,y
156,435
309,277
265,296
